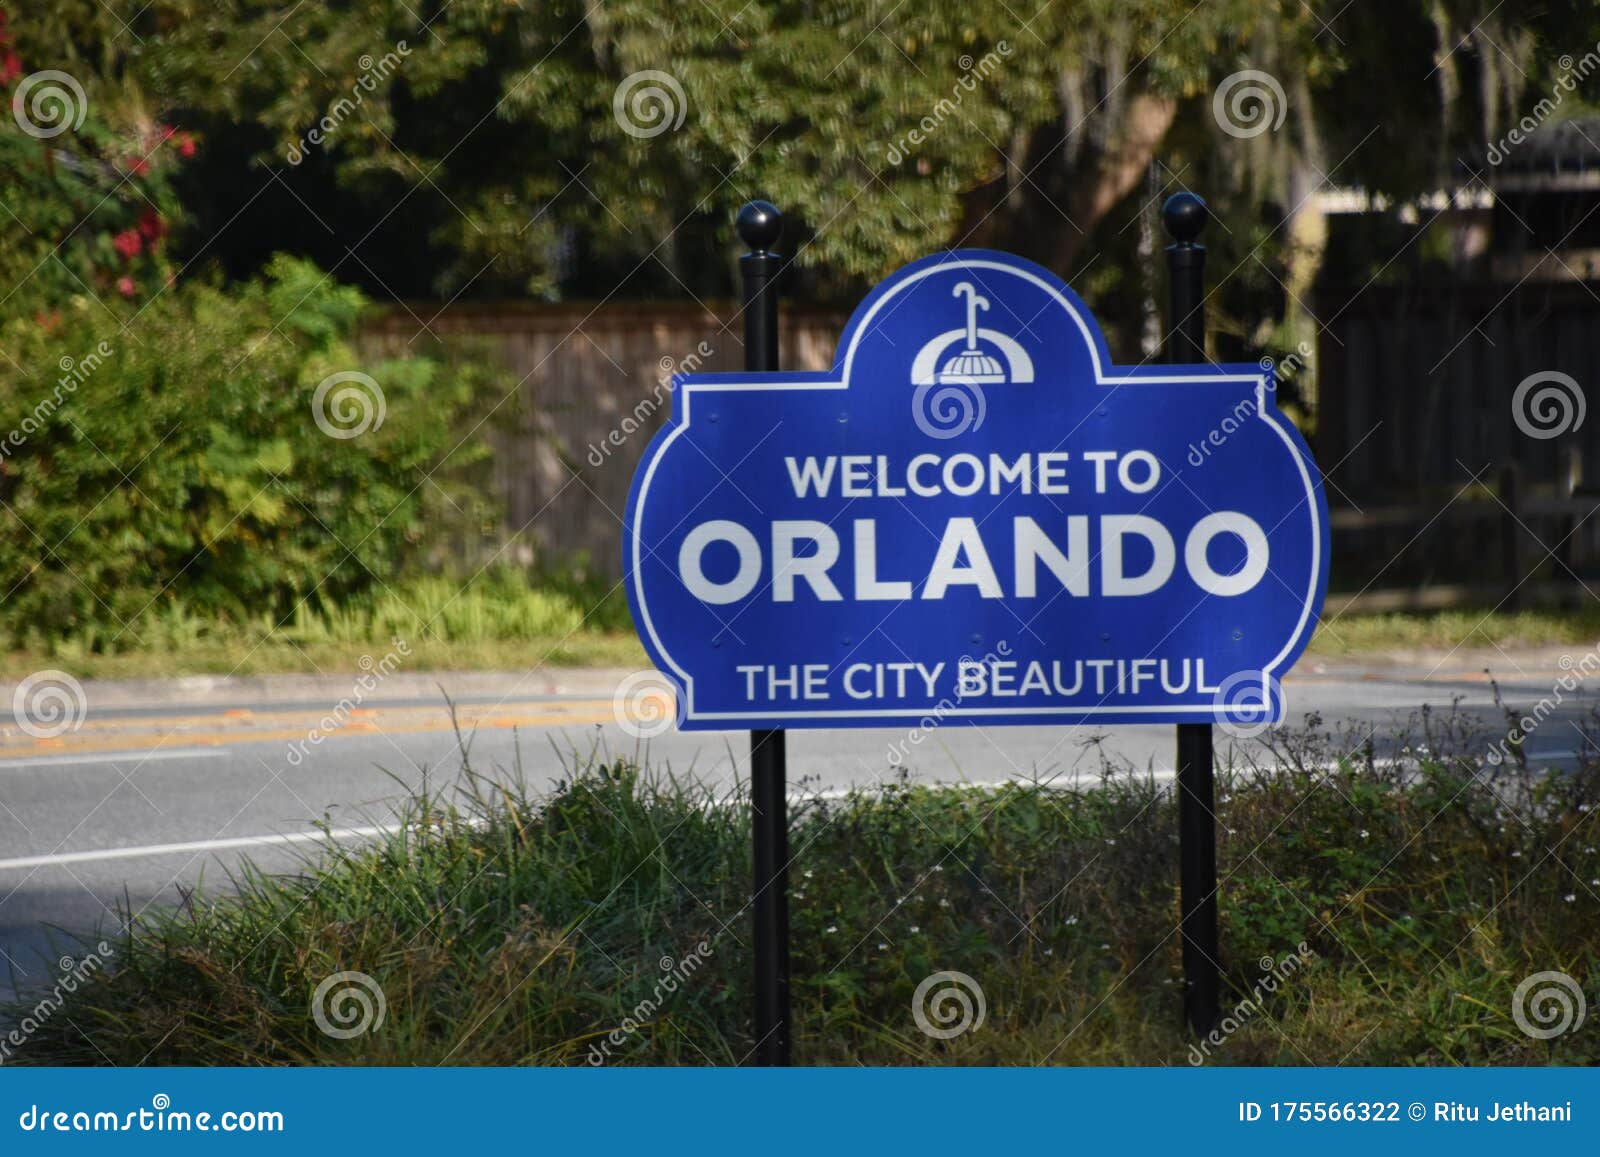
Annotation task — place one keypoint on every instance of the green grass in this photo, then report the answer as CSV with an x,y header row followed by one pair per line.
x,y
223,656
509,620
509,930
500,620
1471,629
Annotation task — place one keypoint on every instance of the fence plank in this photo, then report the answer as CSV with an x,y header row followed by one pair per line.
x,y
592,383
1438,365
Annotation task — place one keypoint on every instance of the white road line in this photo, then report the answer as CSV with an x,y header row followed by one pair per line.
x,y
146,756
367,833
28,862
23,863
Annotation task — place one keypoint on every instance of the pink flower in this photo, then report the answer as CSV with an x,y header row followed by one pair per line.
x,y
128,243
126,286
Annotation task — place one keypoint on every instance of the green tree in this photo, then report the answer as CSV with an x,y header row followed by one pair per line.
x,y
565,148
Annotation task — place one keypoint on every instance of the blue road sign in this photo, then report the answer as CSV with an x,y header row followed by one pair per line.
x,y
975,517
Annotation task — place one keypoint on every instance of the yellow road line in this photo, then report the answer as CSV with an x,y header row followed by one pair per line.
x,y
493,718
244,716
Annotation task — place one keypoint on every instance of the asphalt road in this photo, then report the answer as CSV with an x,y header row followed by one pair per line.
x,y
163,786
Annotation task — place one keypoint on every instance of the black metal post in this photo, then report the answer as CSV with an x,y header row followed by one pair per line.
x,y
1511,570
760,225
1184,216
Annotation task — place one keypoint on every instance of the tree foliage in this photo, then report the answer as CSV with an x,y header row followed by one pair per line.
x,y
483,147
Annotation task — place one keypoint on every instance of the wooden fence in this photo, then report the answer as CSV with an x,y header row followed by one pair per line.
x,y
1438,497
1440,494
1416,385
591,390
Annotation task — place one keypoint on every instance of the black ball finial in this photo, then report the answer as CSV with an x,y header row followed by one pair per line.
x,y
760,225
1184,216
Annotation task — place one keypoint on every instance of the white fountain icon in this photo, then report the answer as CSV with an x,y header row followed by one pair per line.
x,y
949,398
971,365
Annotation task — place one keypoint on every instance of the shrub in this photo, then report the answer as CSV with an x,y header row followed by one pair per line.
x,y
201,453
